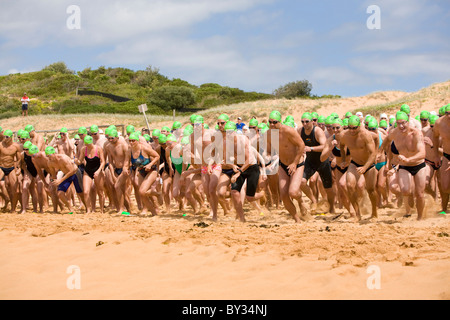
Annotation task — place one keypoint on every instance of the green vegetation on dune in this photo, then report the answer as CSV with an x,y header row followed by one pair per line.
x,y
53,90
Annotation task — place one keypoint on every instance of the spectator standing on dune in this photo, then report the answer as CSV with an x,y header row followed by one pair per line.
x,y
25,100
240,125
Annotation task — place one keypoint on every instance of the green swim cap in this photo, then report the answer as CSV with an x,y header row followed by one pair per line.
x,y
224,117
368,118
345,122
133,136
338,121
113,133
88,140
147,137
1,129
185,140
176,125
94,128
307,115
230,125
63,130
130,129
417,117
290,124
329,120
24,134
198,119
401,116
289,118
156,133
192,118
29,128
433,118
108,131
348,114
187,132
264,130
165,128
424,115
405,108
275,115
383,124
253,123
27,145
162,139
8,133
447,108
82,130
76,137
391,121
314,115
321,119
334,115
171,137
262,126
33,149
354,121
49,150
373,124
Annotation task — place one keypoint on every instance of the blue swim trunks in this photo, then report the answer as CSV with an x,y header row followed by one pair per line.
x,y
66,184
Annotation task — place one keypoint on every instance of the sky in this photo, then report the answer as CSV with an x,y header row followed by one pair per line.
x,y
347,48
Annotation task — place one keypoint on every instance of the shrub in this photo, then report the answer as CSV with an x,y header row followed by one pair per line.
x,y
171,97
59,67
294,89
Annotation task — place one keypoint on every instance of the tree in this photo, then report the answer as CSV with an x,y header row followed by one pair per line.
x,y
149,78
59,67
172,97
294,89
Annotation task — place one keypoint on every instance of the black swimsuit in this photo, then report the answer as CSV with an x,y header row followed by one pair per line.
x,y
30,166
313,163
92,164
361,165
413,169
285,167
394,148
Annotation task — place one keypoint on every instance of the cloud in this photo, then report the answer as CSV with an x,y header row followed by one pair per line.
x,y
213,59
106,22
336,75
436,65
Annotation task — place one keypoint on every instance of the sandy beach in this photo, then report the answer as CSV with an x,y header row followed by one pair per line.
x,y
176,257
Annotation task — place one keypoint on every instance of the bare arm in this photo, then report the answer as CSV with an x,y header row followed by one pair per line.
x,y
326,151
101,155
436,136
127,160
297,141
154,155
342,146
371,149
79,161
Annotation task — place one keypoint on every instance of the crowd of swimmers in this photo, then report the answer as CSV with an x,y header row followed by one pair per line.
x,y
280,162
